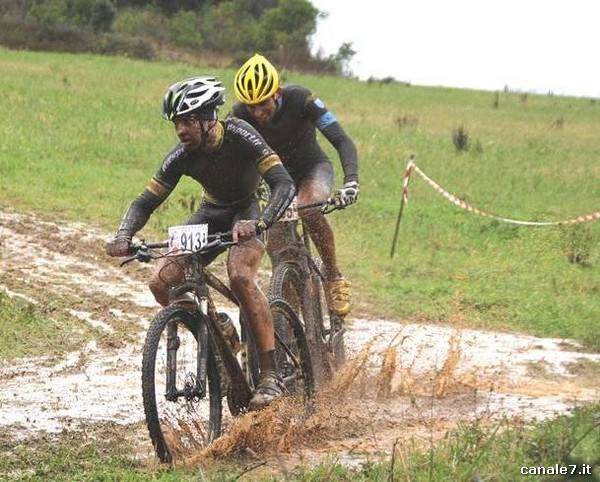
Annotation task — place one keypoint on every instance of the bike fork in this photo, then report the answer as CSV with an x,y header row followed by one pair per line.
x,y
201,358
173,344
195,383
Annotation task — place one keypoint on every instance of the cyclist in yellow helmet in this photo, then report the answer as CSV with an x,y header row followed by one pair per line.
x,y
288,118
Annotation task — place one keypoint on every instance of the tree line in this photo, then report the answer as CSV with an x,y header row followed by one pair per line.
x,y
234,29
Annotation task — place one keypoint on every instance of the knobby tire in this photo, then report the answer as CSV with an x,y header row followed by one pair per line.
x,y
179,426
291,350
329,320
290,282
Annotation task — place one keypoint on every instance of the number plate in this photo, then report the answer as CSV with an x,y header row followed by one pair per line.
x,y
291,213
188,238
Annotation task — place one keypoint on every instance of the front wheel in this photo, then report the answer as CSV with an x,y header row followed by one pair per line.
x,y
291,350
182,403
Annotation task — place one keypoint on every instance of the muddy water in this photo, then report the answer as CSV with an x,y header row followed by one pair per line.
x,y
402,380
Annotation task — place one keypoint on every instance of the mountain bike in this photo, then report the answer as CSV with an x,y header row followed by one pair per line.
x,y
298,278
190,359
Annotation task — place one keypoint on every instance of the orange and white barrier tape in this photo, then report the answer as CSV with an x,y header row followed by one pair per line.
x,y
464,205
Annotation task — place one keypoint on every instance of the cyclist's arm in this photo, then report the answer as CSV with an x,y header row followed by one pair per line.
x,y
138,213
158,189
346,150
281,186
327,123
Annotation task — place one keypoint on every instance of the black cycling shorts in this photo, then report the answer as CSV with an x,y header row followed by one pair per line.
x,y
221,219
321,172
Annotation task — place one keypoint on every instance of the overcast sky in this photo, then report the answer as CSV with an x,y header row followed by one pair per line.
x,y
535,46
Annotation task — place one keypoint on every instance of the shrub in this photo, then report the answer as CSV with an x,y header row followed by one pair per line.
x,y
184,29
32,35
139,23
103,15
135,47
460,138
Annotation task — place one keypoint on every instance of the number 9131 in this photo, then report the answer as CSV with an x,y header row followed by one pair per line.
x,y
187,238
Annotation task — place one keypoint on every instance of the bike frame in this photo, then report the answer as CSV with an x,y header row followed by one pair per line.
x,y
296,254
192,308
197,281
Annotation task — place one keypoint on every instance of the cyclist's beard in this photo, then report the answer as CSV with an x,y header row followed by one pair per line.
x,y
204,136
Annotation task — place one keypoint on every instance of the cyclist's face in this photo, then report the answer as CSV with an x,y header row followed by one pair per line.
x,y
189,130
264,111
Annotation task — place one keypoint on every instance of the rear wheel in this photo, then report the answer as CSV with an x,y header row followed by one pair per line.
x,y
249,356
291,350
287,284
183,407
290,283
332,324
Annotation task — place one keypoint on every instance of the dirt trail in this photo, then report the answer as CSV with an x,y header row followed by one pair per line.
x,y
408,379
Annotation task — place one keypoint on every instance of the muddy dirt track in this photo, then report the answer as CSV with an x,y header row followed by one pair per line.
x,y
402,380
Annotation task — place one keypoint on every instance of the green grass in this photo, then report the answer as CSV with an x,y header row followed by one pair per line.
x,y
81,135
74,456
30,330
495,452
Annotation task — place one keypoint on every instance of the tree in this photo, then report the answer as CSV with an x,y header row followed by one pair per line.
x,y
283,31
343,57
279,29
255,8
170,7
103,14
226,27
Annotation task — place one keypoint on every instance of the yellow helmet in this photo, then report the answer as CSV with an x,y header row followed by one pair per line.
x,y
257,80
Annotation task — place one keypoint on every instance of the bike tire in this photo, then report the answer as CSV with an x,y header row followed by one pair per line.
x,y
181,425
249,359
290,283
292,352
330,321
287,283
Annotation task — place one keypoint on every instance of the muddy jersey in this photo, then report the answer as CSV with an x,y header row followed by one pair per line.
x,y
293,133
229,176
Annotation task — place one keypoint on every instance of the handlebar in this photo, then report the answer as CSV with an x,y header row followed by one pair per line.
x,y
327,205
144,252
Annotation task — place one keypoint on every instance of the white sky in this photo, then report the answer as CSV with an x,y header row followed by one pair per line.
x,y
536,46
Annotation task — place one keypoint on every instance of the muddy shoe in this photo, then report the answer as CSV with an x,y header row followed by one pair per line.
x,y
269,389
339,296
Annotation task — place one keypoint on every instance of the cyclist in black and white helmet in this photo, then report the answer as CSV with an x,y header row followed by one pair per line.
x,y
198,98
228,158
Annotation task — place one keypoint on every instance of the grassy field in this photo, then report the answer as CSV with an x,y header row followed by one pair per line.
x,y
81,136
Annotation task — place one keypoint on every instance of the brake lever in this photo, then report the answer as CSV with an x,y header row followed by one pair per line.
x,y
128,260
330,206
142,255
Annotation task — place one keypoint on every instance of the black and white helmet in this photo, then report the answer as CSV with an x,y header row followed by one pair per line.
x,y
198,95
